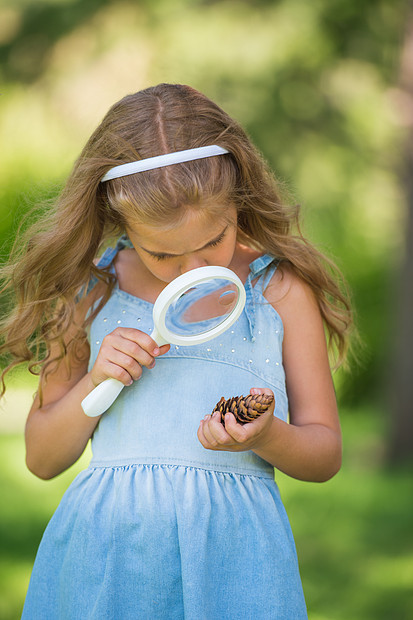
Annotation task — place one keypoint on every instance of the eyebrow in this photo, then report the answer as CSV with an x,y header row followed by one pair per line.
x,y
218,238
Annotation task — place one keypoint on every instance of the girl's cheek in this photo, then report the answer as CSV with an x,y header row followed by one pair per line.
x,y
166,272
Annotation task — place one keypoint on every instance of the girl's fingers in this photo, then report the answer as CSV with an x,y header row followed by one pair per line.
x,y
113,371
125,367
214,433
141,339
135,351
201,435
135,345
235,431
205,437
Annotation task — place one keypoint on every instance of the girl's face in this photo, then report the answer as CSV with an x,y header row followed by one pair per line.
x,y
199,240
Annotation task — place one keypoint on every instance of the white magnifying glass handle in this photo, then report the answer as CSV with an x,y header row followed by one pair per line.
x,y
101,397
104,394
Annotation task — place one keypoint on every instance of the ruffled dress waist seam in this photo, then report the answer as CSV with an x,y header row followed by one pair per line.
x,y
259,472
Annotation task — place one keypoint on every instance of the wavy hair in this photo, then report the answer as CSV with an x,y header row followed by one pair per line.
x,y
53,260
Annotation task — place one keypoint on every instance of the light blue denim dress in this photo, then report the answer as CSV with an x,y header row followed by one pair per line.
x,y
158,527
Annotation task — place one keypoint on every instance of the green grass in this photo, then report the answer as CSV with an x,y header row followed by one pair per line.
x,y
353,533
26,505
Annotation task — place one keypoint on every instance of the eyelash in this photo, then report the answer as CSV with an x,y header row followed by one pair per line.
x,y
160,257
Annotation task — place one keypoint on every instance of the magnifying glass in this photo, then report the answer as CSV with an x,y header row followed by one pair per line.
x,y
194,308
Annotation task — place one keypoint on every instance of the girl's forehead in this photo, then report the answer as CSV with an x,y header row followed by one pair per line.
x,y
189,218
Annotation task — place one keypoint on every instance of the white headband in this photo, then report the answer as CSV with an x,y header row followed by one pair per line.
x,y
163,160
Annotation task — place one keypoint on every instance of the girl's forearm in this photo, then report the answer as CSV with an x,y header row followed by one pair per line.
x,y
57,433
311,452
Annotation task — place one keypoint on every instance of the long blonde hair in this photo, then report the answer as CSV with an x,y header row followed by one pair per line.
x,y
54,260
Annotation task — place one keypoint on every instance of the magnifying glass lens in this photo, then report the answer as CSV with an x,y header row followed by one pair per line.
x,y
202,307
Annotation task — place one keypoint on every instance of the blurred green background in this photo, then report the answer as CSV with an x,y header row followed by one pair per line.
x,y
319,87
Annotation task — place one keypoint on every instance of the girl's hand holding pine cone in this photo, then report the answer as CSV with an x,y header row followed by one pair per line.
x,y
222,431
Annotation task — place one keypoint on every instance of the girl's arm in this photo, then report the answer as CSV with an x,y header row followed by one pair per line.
x,y
309,448
57,431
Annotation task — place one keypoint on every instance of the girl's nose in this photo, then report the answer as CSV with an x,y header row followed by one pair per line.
x,y
192,261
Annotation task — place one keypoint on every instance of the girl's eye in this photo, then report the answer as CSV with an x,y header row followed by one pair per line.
x,y
216,242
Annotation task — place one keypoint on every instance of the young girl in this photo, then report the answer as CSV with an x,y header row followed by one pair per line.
x,y
177,516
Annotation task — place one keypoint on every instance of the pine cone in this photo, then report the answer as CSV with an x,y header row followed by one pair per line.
x,y
244,409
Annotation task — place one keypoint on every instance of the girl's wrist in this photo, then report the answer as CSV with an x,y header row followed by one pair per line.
x,y
269,439
90,384
279,444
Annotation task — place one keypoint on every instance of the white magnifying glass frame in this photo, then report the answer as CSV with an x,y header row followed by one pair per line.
x,y
175,289
102,397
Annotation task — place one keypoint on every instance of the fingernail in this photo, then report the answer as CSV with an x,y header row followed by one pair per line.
x,y
130,382
152,364
156,351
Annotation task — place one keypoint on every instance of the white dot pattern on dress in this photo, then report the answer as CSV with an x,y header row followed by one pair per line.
x,y
209,349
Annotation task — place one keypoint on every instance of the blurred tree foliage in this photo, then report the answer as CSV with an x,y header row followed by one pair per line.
x,y
400,386
314,84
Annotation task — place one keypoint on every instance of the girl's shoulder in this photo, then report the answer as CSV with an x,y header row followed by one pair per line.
x,y
291,296
133,277
124,264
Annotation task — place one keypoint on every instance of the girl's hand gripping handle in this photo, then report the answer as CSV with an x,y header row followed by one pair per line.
x,y
104,394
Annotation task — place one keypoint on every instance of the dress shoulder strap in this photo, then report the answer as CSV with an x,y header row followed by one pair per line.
x,y
264,280
109,254
106,260
261,270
